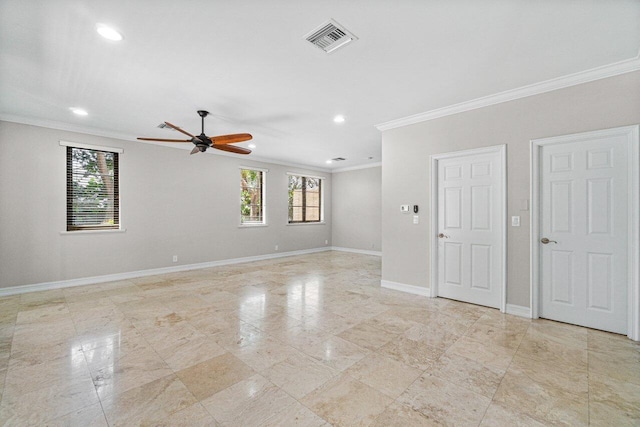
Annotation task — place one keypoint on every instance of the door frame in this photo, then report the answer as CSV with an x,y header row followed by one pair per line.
x,y
502,212
633,156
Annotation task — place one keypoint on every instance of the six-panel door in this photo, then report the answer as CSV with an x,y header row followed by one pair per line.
x,y
583,196
470,247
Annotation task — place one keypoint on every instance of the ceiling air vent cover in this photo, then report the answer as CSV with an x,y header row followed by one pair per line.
x,y
338,159
330,36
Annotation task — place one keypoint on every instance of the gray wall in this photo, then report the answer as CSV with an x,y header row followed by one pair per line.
x,y
601,104
357,205
171,203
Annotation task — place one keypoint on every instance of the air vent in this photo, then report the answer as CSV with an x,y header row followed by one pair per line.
x,y
164,126
338,159
330,36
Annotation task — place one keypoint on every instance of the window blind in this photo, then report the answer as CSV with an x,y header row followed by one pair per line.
x,y
93,201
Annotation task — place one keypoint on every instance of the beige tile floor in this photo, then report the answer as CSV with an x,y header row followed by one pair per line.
x,y
302,341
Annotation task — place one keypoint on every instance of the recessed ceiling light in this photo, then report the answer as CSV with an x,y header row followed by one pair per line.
x,y
79,111
329,162
252,145
338,119
108,32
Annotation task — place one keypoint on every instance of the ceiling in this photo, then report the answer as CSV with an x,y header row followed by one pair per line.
x,y
247,62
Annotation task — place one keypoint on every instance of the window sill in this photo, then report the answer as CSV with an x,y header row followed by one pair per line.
x,y
295,224
121,230
252,225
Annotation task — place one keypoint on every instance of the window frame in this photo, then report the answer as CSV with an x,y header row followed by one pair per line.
x,y
69,227
263,199
321,187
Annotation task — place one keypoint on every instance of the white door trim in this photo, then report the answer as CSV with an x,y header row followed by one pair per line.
x,y
632,133
502,211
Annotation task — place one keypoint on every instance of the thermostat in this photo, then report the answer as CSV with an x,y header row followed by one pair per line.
x,y
404,208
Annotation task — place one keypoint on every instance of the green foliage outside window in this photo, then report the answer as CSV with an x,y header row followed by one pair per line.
x,y
305,199
251,203
92,189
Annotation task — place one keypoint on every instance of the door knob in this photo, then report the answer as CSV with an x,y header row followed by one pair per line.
x,y
545,241
443,236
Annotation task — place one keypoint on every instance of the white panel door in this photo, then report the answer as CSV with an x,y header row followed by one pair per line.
x,y
470,252
583,214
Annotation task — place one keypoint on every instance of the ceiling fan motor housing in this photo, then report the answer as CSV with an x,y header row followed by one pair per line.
x,y
202,140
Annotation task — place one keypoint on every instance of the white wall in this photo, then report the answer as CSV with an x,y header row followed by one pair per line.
x,y
600,104
171,203
357,207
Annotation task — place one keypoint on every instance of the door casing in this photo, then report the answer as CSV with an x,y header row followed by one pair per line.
x,y
501,211
632,133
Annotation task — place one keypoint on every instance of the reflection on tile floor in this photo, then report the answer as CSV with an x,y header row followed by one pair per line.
x,y
308,340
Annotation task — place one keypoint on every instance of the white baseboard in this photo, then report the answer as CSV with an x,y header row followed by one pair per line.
x,y
356,251
411,289
14,290
518,310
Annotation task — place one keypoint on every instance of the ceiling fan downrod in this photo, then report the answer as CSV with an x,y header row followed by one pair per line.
x,y
203,114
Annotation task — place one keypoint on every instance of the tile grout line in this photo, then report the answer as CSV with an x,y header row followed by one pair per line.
x,y
506,371
84,357
171,300
296,399
199,402
173,371
462,386
4,380
437,359
484,414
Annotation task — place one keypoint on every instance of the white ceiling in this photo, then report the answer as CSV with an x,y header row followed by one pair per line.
x,y
246,61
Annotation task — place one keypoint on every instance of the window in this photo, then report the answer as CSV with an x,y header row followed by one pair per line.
x,y
93,201
305,199
252,197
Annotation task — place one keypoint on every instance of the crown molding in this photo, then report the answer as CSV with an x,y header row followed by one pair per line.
x,y
610,70
277,162
354,168
51,124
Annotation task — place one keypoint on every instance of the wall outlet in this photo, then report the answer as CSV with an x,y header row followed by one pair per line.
x,y
515,221
175,258
276,247
326,242
416,219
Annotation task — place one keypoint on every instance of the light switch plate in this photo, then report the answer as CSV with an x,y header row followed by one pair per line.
x,y
515,221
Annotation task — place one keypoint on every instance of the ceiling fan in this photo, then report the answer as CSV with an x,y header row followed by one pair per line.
x,y
202,141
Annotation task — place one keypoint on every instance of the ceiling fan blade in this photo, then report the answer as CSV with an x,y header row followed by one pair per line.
x,y
230,139
195,150
164,140
178,129
232,149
